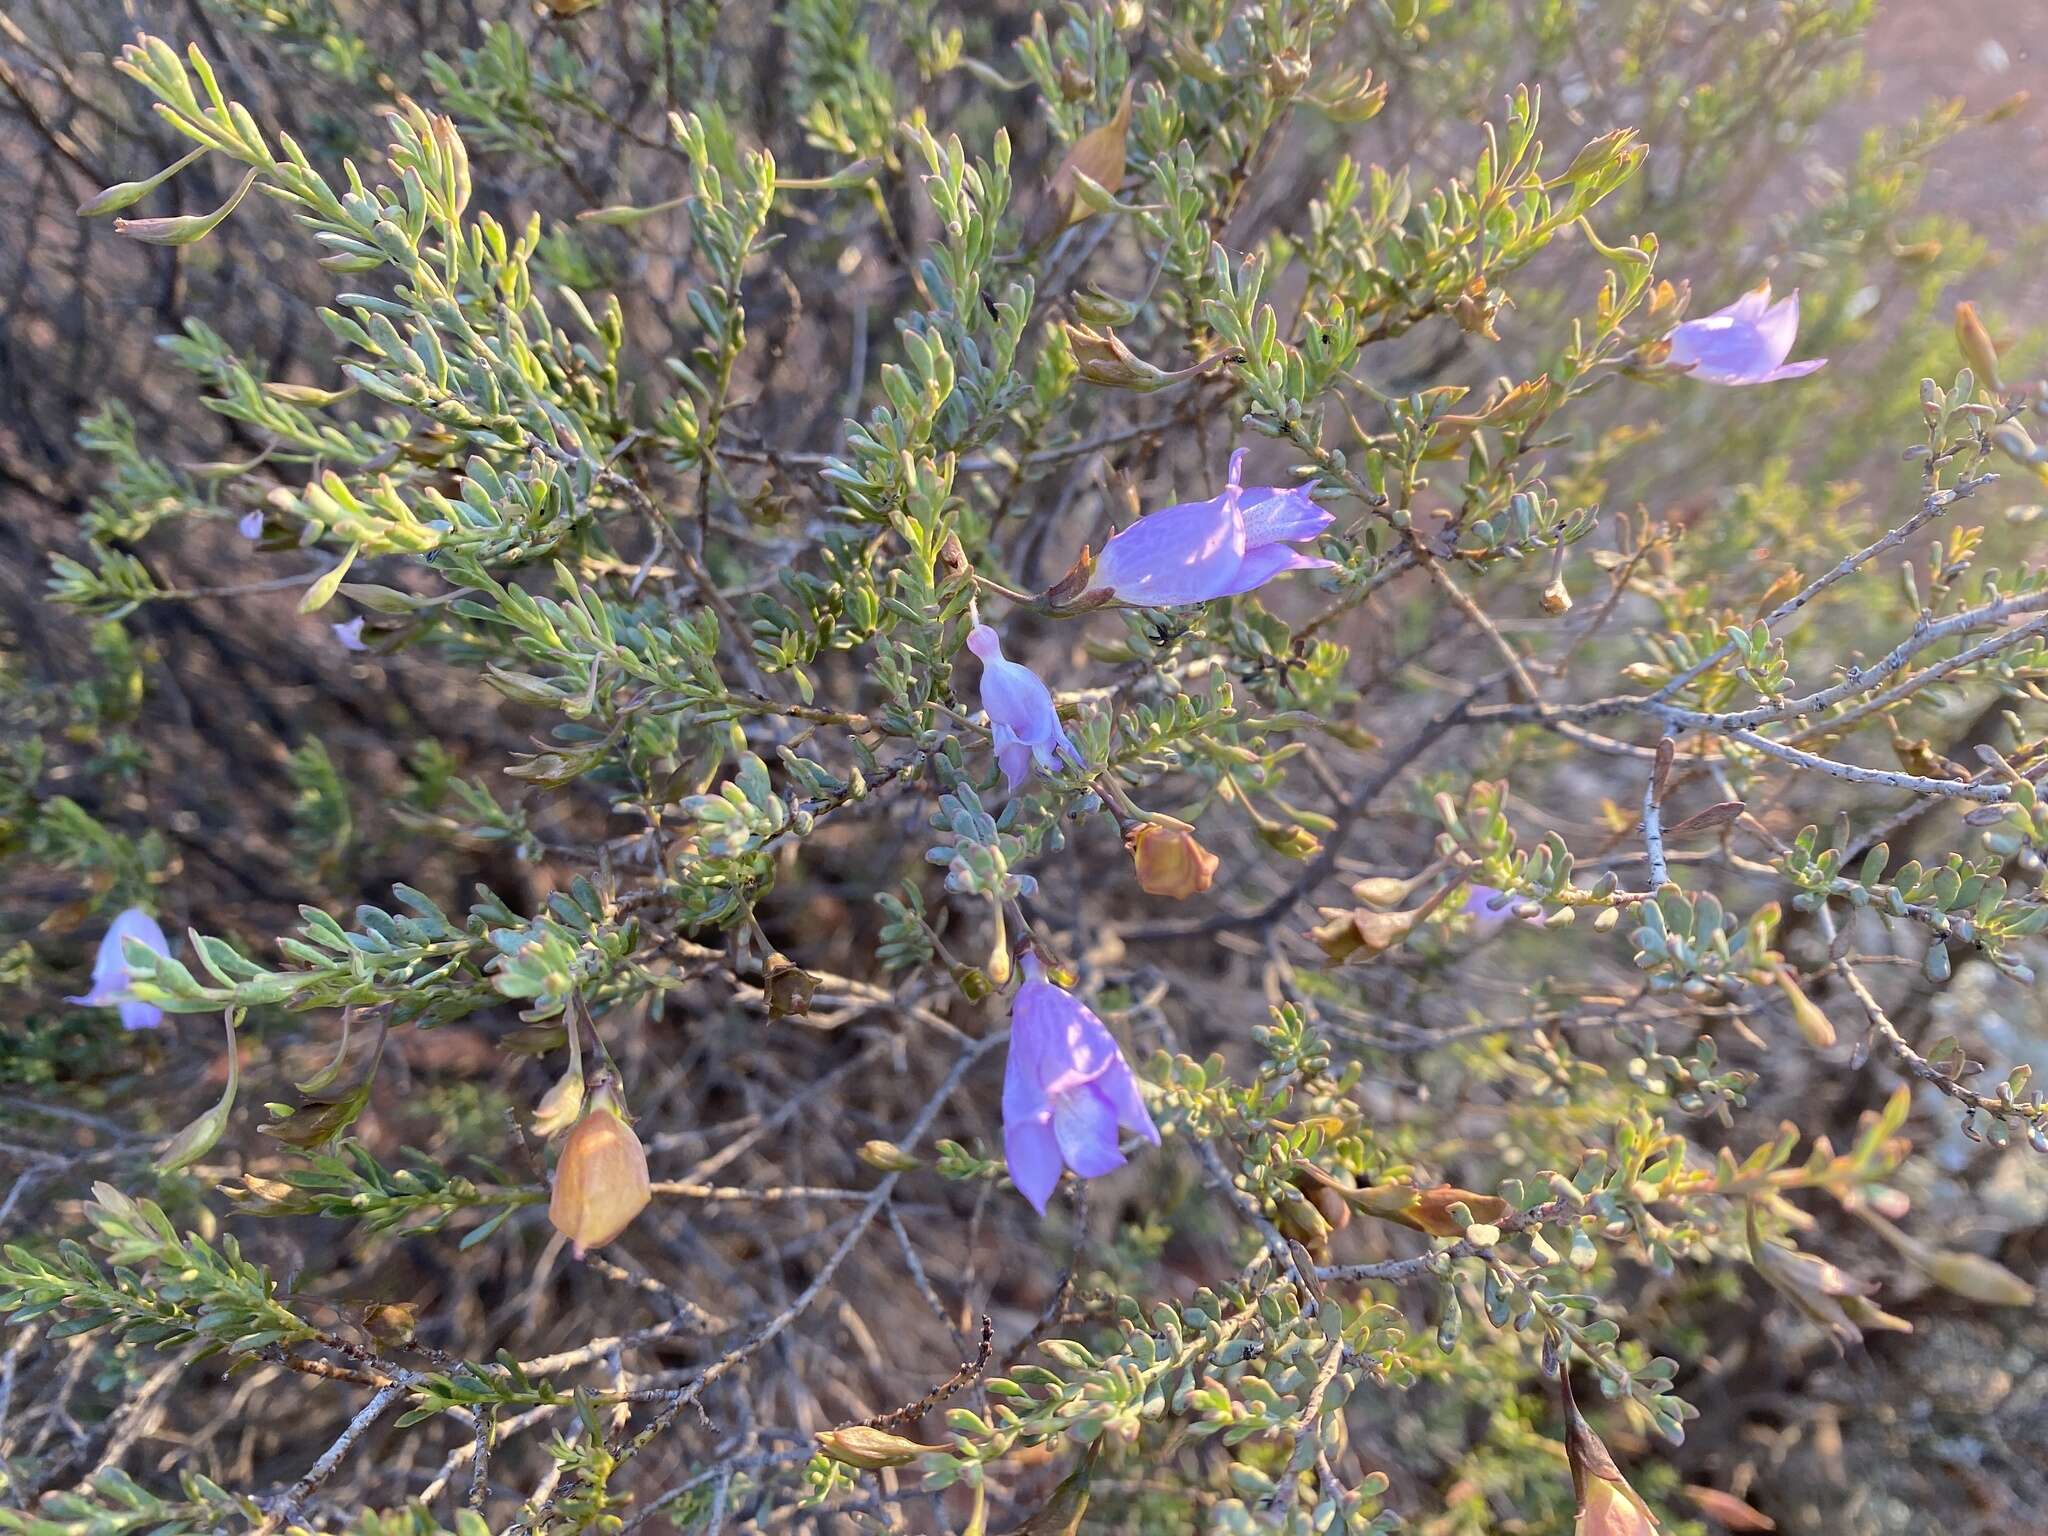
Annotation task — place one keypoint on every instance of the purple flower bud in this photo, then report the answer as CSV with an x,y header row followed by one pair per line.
x,y
1066,1091
1022,719
110,970
350,635
1200,550
250,525
1746,343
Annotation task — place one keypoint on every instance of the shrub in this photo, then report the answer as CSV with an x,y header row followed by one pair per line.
x,y
1196,707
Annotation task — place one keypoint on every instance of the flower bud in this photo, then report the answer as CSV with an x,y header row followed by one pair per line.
x,y
1727,1510
1288,840
1977,347
1381,891
1297,1217
1169,860
1978,1278
560,1106
2011,439
1324,1193
1965,1274
1101,357
601,1178
1430,1210
870,1449
1836,1301
1815,1028
1607,1505
1360,933
887,1157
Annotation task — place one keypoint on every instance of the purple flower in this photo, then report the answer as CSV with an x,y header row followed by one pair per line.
x,y
1200,550
1021,715
250,525
1489,908
110,970
1066,1091
350,635
1746,343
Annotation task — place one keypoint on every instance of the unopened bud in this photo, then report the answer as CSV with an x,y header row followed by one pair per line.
x,y
1814,1026
1324,1193
1297,1217
1169,861
1836,1301
1101,357
560,1106
1381,891
2011,439
1289,840
1349,934
601,1179
1606,1504
1978,1278
1432,1210
870,1449
1977,347
887,1157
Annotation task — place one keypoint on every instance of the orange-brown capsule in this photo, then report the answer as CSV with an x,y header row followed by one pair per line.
x,y
600,1182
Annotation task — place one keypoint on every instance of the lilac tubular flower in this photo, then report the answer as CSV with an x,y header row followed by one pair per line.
x,y
1067,1090
1021,714
1489,909
350,635
1746,343
1200,550
110,970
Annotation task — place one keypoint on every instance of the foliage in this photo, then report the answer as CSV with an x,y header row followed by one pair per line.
x,y
683,383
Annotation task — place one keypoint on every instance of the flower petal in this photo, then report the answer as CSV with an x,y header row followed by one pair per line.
x,y
1084,1123
1778,327
1794,370
1037,1028
1275,516
1752,306
136,1015
1120,1087
1014,758
1262,564
1033,1153
1721,351
1182,554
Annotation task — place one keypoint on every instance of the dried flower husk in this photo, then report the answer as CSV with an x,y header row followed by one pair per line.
x,y
1170,862
601,1180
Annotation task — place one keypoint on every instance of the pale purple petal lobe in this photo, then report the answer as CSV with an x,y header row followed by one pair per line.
x,y
1746,343
1066,1090
110,969
1085,1126
1202,550
1024,723
1033,1153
